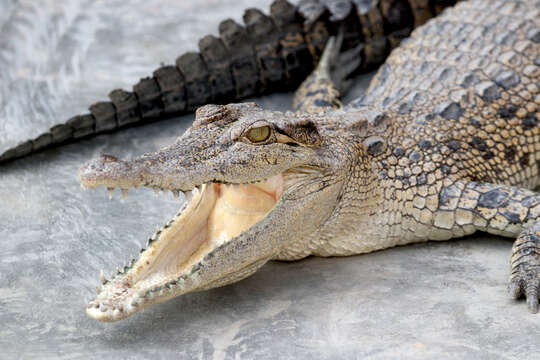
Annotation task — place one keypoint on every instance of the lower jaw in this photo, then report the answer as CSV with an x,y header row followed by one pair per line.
x,y
214,216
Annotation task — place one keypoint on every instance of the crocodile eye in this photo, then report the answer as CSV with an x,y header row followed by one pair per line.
x,y
258,134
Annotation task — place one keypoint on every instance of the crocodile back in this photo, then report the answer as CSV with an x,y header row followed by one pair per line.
x,y
463,93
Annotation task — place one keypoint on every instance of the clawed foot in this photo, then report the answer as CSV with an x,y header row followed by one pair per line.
x,y
340,65
525,277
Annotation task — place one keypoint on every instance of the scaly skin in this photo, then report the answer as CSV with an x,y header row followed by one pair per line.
x,y
444,143
267,54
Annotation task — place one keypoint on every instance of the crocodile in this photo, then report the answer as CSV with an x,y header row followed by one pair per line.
x,y
268,54
445,142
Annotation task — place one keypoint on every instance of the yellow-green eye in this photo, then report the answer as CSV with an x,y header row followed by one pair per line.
x,y
258,134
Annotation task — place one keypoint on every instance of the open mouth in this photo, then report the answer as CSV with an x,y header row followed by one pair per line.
x,y
212,216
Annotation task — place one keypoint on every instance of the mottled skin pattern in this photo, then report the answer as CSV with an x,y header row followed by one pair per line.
x,y
444,143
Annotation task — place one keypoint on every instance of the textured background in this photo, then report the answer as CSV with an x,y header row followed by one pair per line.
x,y
443,300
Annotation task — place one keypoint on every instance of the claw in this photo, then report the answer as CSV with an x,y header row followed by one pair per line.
x,y
532,298
514,289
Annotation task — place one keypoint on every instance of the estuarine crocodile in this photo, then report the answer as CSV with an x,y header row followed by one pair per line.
x,y
271,53
444,143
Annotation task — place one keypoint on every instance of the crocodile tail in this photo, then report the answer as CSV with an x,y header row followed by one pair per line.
x,y
268,53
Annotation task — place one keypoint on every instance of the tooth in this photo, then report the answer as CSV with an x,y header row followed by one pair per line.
x,y
235,186
156,190
124,193
189,195
110,192
176,193
102,277
98,289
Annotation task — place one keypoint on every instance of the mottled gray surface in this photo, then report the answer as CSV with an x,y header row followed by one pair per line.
x,y
436,300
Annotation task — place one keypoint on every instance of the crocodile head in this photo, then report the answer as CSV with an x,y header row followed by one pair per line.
x,y
255,181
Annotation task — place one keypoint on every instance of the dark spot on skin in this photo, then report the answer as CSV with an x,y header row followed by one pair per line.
x,y
415,156
383,174
421,179
469,80
488,155
478,143
533,35
487,90
507,79
376,118
507,112
510,152
530,121
374,145
513,218
450,111
405,181
398,151
454,145
475,122
404,108
492,199
530,201
321,103
424,119
445,169
316,92
524,160
425,144
448,193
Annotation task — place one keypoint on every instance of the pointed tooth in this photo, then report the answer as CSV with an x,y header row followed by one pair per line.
x,y
110,192
176,193
235,186
189,195
156,190
136,189
102,277
124,193
98,289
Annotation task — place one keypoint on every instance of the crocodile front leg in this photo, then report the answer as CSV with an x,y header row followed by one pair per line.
x,y
510,211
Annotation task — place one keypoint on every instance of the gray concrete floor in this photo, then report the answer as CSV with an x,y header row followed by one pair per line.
x,y
434,300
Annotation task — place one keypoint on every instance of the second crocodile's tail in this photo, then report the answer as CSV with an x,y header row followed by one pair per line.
x,y
267,54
